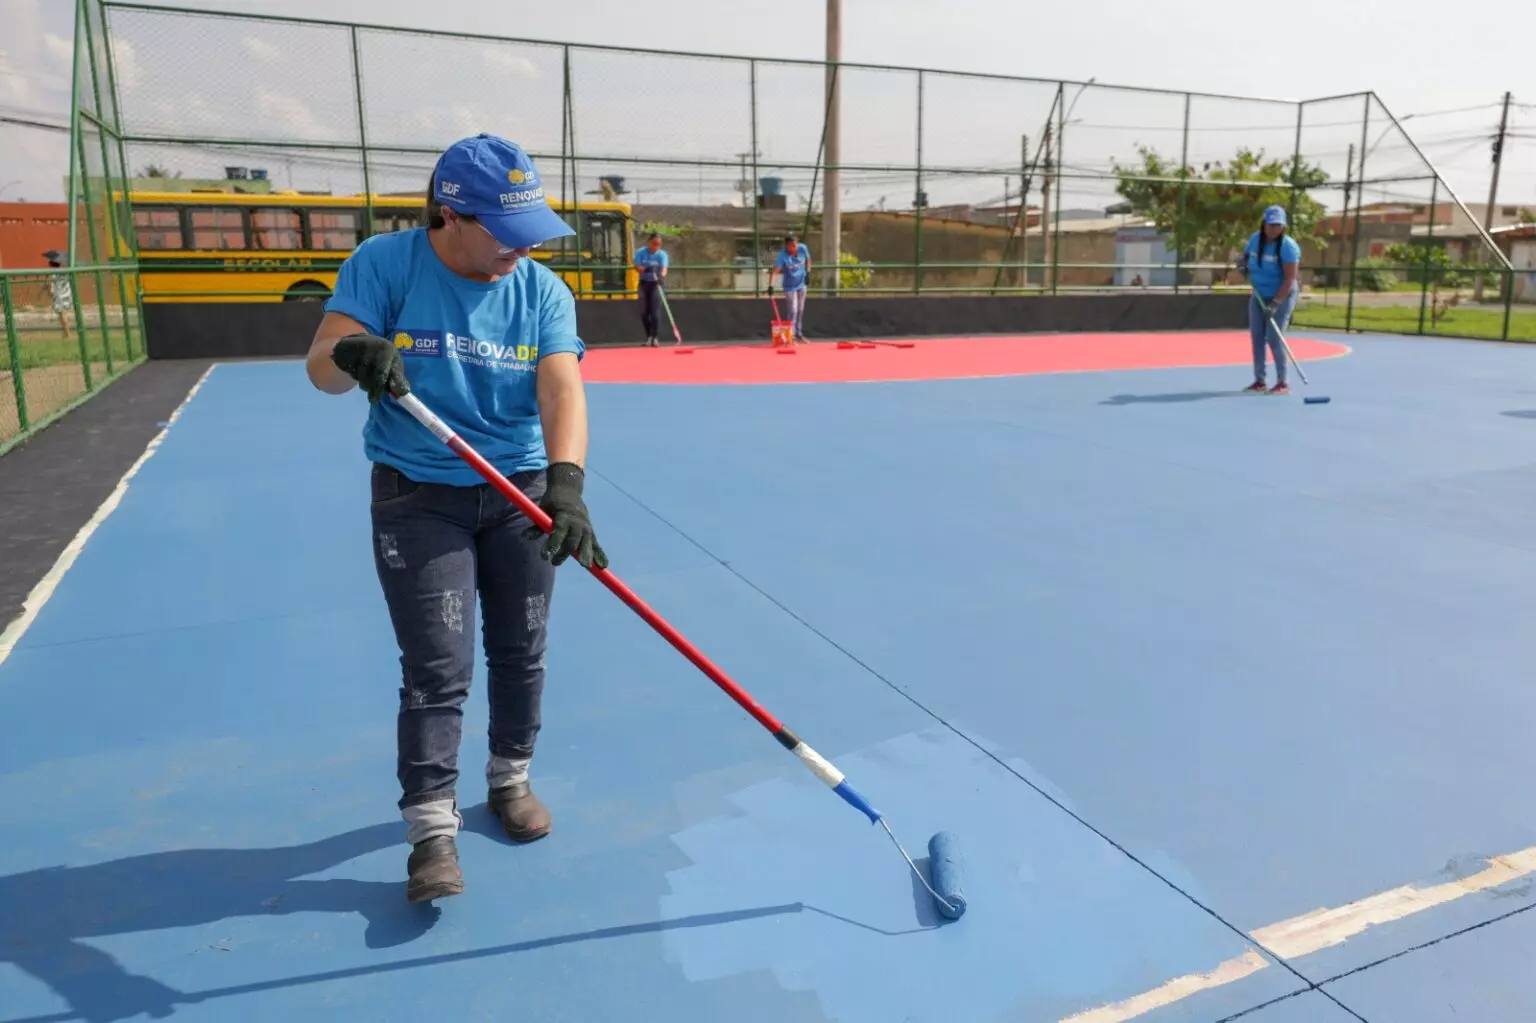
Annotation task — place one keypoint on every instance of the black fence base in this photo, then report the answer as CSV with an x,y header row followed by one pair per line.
x,y
232,330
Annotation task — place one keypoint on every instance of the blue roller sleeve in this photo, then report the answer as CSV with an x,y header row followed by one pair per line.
x,y
948,873
852,797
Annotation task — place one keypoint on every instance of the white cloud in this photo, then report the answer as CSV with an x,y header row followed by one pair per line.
x,y
261,49
34,83
503,60
59,49
291,116
126,69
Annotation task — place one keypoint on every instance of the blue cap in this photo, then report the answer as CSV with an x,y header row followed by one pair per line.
x,y
494,180
1275,215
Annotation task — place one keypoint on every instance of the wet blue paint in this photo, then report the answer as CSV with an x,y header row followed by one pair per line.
x,y
1053,914
1309,1007
1482,974
1275,655
220,836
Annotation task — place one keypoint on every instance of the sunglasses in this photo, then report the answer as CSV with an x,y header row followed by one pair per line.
x,y
501,249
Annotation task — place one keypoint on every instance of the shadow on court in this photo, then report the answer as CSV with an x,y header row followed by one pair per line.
x,y
46,915
1168,399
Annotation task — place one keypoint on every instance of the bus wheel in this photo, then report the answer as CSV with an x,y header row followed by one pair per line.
x,y
307,291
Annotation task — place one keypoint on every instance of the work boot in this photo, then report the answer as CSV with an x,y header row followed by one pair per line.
x,y
434,870
523,816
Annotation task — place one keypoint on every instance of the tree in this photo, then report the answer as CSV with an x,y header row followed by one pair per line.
x,y
853,273
1424,260
1217,218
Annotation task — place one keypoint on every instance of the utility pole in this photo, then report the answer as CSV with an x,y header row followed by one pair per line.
x,y
1493,187
1498,162
831,202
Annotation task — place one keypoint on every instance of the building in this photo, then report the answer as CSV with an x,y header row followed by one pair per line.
x,y
29,229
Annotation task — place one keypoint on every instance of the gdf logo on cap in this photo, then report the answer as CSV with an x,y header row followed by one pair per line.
x,y
494,180
1275,215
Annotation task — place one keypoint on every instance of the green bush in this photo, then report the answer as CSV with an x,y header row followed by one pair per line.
x,y
1373,275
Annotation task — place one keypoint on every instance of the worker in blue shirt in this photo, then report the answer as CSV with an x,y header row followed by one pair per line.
x,y
794,263
652,262
1270,261
456,313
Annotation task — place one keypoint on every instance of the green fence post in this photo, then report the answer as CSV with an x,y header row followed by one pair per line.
x,y
757,237
85,354
1509,301
362,134
106,335
576,224
130,236
1290,211
108,202
75,170
1061,166
1429,246
101,299
1354,248
13,344
1178,228
918,200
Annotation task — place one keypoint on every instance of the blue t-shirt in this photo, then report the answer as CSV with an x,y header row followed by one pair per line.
x,y
793,267
471,351
1265,272
651,263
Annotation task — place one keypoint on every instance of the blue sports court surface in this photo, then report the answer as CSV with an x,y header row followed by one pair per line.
x,y
1228,699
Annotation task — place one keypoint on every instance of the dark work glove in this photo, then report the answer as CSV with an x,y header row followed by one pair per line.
x,y
373,362
572,532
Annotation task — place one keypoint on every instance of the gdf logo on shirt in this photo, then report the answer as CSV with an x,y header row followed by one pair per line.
x,y
418,343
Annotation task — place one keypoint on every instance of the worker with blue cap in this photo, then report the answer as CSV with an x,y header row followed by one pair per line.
x,y
1270,261
455,312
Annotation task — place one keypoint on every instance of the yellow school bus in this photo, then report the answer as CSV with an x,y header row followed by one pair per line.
x,y
287,247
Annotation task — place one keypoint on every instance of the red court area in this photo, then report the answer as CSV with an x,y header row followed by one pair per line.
x,y
824,362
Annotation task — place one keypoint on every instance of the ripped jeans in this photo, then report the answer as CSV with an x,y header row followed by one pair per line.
x,y
437,547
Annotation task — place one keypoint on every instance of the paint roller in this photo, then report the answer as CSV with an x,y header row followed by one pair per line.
x,y
1311,399
945,864
661,289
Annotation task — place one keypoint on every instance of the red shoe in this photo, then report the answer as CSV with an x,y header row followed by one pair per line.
x,y
1256,387
1280,389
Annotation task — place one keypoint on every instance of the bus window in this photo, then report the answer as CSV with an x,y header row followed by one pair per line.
x,y
276,229
604,237
335,229
390,221
216,227
562,244
157,227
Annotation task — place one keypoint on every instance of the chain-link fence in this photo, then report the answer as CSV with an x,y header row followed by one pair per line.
x,y
67,334
72,329
945,183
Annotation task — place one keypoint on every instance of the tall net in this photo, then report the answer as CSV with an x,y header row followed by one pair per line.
x,y
944,183
70,330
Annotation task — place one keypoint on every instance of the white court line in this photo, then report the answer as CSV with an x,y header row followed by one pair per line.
x,y
50,582
1319,929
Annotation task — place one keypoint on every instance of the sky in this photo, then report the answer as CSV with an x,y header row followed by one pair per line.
x,y
643,117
